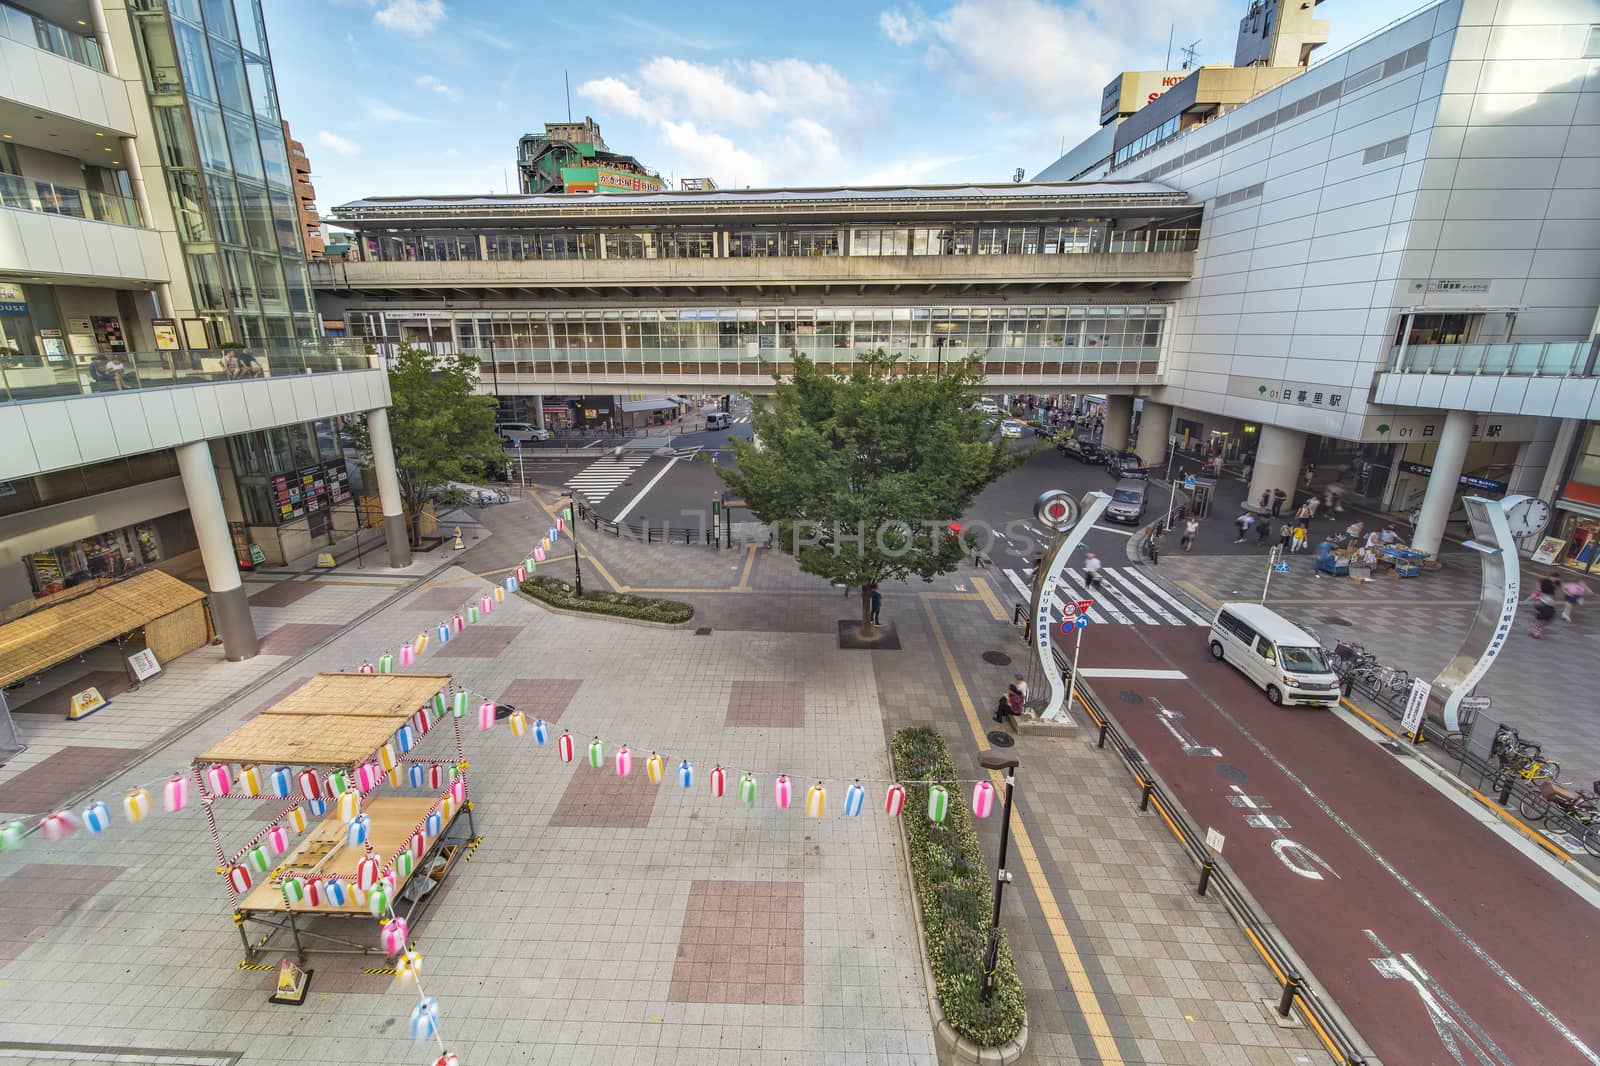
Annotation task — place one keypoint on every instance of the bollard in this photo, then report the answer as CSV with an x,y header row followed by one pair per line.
x,y
1291,986
1144,797
1205,875
1101,743
1504,799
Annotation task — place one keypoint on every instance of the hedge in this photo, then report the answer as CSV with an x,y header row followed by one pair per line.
x,y
955,886
558,593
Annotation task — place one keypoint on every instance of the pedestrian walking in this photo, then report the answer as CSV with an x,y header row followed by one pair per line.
x,y
1091,570
1263,531
1285,535
1191,526
1311,507
1298,537
1278,498
1573,593
877,604
1243,524
1544,610
1152,549
1547,588
1310,474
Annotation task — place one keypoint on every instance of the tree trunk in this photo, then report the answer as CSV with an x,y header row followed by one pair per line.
x,y
869,630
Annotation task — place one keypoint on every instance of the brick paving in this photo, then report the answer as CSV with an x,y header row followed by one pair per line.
x,y
57,700
54,780
742,942
541,697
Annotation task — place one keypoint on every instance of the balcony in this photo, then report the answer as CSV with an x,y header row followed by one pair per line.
x,y
24,28
75,98
1537,359
1548,380
40,378
46,197
65,232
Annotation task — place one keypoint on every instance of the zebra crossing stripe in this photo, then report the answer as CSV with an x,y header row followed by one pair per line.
x,y
1064,591
1121,578
1102,602
1113,591
1155,586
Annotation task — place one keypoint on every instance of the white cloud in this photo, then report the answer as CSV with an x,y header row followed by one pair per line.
x,y
714,154
493,40
379,111
449,92
351,43
415,17
335,143
616,95
905,26
698,90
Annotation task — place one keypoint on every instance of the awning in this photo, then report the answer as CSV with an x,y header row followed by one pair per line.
x,y
1588,510
658,403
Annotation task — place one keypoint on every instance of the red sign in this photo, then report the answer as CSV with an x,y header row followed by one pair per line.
x,y
1084,605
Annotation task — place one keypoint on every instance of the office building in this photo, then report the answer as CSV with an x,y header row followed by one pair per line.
x,y
148,226
312,233
571,157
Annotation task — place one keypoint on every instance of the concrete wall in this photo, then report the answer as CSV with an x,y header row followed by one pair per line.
x,y
46,82
40,245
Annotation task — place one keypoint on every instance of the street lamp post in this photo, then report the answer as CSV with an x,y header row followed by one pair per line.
x,y
995,760
577,571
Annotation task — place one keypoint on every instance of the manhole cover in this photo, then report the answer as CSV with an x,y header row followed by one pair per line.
x,y
1232,773
703,631
997,658
1127,695
1001,739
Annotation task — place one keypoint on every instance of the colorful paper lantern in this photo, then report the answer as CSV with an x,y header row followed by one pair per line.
x,y
486,605
719,781
442,634
519,724
561,524
458,703
854,797
522,573
316,895
894,801
294,891
407,966
624,760
500,593
365,668
486,715
781,792
510,584
378,901
472,614
387,758
421,643
295,818
458,791
239,880
408,655
360,828
816,800
686,774
424,1020
564,746
175,794
538,555
447,808
597,753
425,717
432,824
456,623
310,785
417,775
938,803
278,839
982,799
653,767
368,776
541,731
259,859
249,780
405,738
447,1059
135,805
349,805
435,776
337,892
316,808
97,817
219,780
404,864
394,936
386,663
282,782
747,790
12,834
338,781
367,873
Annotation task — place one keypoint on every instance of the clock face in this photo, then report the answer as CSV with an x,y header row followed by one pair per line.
x,y
1528,517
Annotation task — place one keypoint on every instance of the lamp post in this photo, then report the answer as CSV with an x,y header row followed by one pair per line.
x,y
941,337
995,760
577,571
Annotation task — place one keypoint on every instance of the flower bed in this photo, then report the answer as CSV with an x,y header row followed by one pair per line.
x,y
955,887
560,594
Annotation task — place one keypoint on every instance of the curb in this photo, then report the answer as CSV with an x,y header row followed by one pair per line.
x,y
958,1047
601,616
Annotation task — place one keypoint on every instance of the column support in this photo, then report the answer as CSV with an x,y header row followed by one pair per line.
x,y
1278,460
395,533
1155,426
229,607
1119,416
1440,495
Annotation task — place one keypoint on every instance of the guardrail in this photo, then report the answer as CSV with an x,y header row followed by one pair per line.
x,y
648,532
1293,986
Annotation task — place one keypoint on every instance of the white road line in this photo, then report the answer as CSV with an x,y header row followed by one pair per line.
x,y
1118,532
1064,591
1120,578
1101,602
1111,590
622,514
1141,675
1021,586
1155,586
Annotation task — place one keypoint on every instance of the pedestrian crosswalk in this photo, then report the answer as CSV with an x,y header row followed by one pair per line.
x,y
1121,595
597,480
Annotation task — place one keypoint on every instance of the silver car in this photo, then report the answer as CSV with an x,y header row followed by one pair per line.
x,y
1128,501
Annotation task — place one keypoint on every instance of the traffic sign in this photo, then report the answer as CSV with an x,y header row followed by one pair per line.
x,y
1083,606
1188,482
1280,568
1083,622
1069,609
1214,841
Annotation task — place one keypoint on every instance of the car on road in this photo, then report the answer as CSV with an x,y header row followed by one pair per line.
x,y
1086,452
1128,502
1284,660
522,431
1010,428
1125,465
718,420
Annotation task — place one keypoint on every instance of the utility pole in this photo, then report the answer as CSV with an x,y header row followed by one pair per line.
x,y
577,572
994,760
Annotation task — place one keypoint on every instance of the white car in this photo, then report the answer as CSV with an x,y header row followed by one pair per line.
x,y
1011,428
523,431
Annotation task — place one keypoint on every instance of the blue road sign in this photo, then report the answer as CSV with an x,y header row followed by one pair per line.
x,y
1083,622
1280,568
1188,482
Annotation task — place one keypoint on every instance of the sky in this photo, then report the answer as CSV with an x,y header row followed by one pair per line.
x,y
397,97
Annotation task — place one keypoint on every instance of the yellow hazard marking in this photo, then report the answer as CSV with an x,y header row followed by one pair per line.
x,y
986,594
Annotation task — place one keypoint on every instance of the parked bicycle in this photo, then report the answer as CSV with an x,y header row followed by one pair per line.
x,y
1555,801
1516,759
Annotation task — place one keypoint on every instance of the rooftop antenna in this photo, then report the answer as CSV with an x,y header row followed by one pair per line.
x,y
1188,51
568,83
1170,31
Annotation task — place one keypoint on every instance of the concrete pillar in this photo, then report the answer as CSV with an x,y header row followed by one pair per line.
x,y
394,512
1119,416
1277,466
1155,426
538,410
229,608
1442,483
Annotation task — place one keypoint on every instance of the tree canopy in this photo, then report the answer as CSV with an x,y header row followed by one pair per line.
x,y
442,430
861,473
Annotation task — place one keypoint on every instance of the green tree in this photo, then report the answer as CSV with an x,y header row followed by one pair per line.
x,y
442,430
861,473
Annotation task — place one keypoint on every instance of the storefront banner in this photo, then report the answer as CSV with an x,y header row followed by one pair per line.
x,y
1487,484
166,331
1549,549
1392,427
12,301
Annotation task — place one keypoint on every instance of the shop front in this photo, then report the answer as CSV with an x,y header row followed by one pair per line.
x,y
111,554
292,492
1574,536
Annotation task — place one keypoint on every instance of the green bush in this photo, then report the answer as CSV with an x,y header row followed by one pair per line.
x,y
558,593
954,885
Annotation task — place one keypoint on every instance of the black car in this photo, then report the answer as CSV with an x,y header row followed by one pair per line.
x,y
1081,450
1126,464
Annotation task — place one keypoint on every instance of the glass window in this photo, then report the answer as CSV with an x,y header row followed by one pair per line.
x,y
213,137
286,221
241,281
219,19
258,222
274,154
297,285
753,243
263,93
195,61
246,149
232,91
269,283
205,278
248,21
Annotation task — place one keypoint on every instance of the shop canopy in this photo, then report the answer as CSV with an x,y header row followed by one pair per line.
x,y
655,403
51,635
331,720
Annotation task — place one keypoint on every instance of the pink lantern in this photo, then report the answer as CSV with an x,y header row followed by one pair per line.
x,y
239,879
278,839
218,779
395,935
408,655
982,799
368,776
458,791
57,826
366,873
781,792
176,794
486,604
456,623
486,715
311,785
624,761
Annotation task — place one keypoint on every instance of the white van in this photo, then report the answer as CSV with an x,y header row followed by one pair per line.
x,y
1275,653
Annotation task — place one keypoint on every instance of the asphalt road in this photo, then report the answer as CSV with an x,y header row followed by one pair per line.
x,y
1440,941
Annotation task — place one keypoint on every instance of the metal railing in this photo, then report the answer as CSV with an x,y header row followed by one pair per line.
x,y
1294,988
34,377
649,532
1530,358
49,198
35,32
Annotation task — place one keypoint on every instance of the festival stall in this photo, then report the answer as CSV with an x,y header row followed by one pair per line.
x,y
344,754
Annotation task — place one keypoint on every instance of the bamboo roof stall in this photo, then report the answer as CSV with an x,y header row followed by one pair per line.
x,y
37,641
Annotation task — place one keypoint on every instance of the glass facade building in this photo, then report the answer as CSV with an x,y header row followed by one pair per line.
x,y
208,77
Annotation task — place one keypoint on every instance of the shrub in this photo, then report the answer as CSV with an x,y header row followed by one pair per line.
x,y
558,593
955,887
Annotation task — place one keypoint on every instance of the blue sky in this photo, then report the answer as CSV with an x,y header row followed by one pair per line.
x,y
429,96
